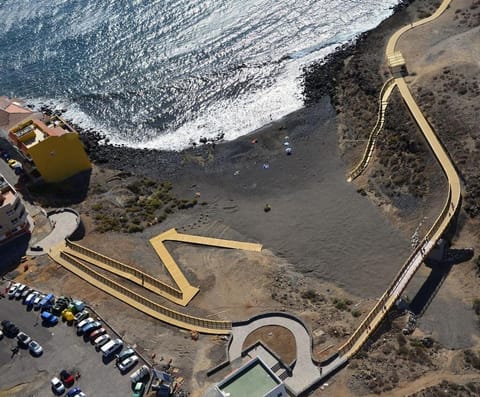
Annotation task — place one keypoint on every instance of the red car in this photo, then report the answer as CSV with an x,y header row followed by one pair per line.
x,y
95,334
67,378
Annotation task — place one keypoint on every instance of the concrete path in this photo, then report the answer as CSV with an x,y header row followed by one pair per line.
x,y
305,372
64,223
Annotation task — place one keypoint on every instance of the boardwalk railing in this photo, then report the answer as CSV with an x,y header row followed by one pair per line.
x,y
450,207
138,276
372,139
141,303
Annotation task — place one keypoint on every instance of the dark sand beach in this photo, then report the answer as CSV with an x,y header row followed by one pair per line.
x,y
318,221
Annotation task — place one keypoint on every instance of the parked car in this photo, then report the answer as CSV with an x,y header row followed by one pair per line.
x,y
23,339
37,300
90,327
128,363
75,392
35,348
81,316
5,156
95,334
60,305
12,290
1,335
9,328
101,341
49,319
14,164
19,291
111,347
143,373
47,301
125,354
57,386
83,322
25,293
67,315
138,389
67,378
30,298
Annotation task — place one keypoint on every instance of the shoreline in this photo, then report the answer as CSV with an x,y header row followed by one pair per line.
x,y
118,156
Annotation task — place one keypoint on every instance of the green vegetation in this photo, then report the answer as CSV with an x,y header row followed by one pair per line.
x,y
149,204
472,358
476,306
309,294
342,304
356,313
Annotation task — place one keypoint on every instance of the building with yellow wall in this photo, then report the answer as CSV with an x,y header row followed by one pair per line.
x,y
52,148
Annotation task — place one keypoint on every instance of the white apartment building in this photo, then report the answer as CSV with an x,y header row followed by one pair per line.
x,y
13,215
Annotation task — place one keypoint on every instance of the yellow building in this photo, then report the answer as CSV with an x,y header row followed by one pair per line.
x,y
52,149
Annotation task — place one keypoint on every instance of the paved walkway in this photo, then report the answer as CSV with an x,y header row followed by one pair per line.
x,y
305,372
64,223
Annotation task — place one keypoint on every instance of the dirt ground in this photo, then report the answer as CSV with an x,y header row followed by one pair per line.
x,y
328,251
278,339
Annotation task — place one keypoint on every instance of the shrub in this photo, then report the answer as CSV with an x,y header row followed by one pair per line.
x,y
476,306
134,228
309,294
356,313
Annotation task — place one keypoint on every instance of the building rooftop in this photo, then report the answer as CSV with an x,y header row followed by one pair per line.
x,y
13,111
7,194
36,131
254,379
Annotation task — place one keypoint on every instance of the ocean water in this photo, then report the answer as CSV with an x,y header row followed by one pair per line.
x,y
164,73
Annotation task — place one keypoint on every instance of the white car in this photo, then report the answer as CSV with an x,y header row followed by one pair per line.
x,y
12,290
19,291
128,363
84,322
23,338
1,335
81,316
35,348
139,374
37,300
57,386
31,298
101,340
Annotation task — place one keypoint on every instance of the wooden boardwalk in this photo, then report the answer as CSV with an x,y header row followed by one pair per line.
x,y
385,92
449,211
82,261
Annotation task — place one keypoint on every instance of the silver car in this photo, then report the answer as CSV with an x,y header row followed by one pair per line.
x,y
35,348
12,290
128,363
20,290
37,300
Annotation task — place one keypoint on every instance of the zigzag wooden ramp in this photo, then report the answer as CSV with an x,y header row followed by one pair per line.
x,y
137,301
82,261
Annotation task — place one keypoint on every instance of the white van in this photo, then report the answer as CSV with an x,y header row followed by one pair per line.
x,y
111,347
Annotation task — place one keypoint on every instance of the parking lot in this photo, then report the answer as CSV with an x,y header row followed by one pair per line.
x,y
25,375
